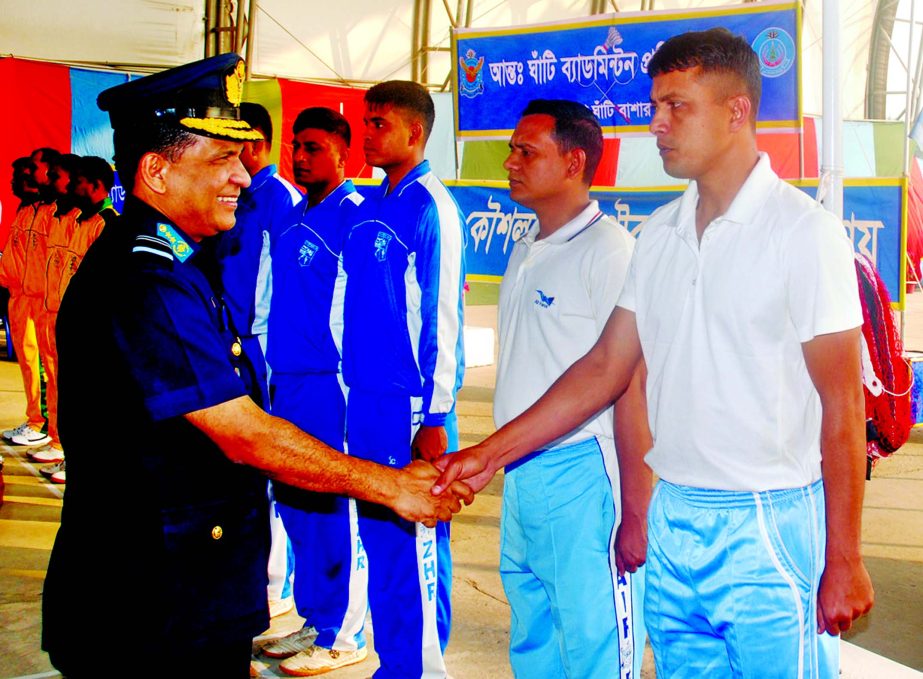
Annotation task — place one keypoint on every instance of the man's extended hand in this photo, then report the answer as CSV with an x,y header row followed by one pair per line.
x,y
415,501
845,594
471,465
430,443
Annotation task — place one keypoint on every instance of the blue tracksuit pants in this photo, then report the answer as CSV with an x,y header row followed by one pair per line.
x,y
331,574
410,567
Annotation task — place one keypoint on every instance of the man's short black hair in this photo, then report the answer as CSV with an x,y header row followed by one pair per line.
x,y
22,184
575,127
95,169
132,142
258,118
716,50
20,165
67,162
407,96
326,119
47,154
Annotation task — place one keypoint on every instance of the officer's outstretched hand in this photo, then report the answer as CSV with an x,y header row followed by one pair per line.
x,y
415,502
471,465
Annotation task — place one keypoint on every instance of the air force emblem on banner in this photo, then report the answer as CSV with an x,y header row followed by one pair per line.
x,y
306,253
382,240
776,51
470,78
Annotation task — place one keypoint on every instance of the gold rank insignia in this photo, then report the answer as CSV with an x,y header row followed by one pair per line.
x,y
179,246
234,84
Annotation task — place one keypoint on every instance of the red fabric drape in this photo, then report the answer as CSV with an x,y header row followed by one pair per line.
x,y
608,164
298,96
37,112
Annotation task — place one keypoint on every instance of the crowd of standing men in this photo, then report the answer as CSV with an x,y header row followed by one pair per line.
x,y
346,296
177,310
319,342
64,206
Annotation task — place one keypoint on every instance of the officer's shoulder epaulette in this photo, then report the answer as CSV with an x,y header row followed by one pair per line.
x,y
152,249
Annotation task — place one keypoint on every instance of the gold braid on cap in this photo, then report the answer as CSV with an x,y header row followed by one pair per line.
x,y
234,84
235,129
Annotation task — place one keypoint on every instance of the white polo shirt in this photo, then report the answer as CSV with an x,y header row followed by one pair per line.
x,y
555,298
730,402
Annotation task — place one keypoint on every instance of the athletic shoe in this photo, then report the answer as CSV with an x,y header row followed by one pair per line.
x,y
60,475
317,660
29,437
8,434
296,642
46,455
50,469
279,607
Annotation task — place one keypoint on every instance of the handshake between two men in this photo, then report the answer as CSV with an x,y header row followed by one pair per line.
x,y
417,501
451,480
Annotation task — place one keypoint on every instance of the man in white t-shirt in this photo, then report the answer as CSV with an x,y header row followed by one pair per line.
x,y
571,610
742,297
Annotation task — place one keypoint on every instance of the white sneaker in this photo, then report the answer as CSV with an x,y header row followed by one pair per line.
x,y
59,476
279,607
8,434
317,660
29,437
51,469
296,642
46,455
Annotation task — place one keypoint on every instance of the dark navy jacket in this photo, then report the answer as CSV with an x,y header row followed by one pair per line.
x,y
155,515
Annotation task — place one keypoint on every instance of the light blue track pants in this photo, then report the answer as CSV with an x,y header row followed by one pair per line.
x,y
570,615
732,582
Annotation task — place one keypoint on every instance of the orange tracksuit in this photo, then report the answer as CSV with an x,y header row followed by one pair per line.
x,y
68,242
81,239
59,234
28,234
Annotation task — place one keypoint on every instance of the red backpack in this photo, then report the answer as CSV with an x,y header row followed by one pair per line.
x,y
886,375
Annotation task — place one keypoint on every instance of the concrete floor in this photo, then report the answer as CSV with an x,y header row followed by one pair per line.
x,y
892,544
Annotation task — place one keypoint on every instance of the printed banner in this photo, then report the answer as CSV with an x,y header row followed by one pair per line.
x,y
493,222
602,62
873,216
91,134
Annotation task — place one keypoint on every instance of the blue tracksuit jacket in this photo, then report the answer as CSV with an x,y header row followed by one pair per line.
x,y
244,250
305,260
403,274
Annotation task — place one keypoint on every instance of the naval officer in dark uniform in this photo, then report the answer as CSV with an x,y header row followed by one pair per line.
x,y
168,521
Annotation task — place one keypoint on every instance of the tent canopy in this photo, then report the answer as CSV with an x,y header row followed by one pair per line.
x,y
361,41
